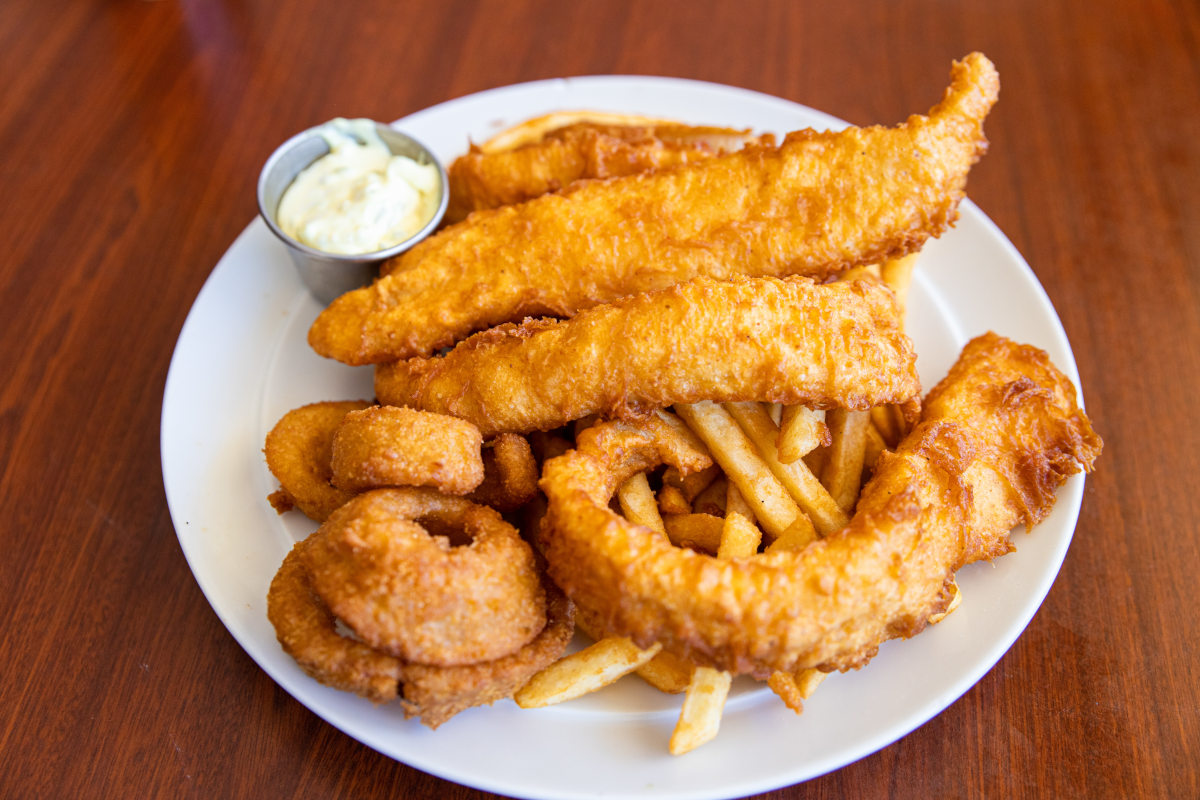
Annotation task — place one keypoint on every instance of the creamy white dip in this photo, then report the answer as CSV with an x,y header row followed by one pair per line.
x,y
359,198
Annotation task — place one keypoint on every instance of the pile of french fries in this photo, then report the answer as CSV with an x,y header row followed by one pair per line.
x,y
783,477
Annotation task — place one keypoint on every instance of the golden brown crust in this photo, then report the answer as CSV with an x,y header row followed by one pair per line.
x,y
820,203
390,446
438,693
923,514
419,596
483,179
780,340
298,452
308,631
510,474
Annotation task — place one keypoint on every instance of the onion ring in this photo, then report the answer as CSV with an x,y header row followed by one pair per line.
x,y
438,693
510,474
298,451
998,436
415,594
393,446
308,631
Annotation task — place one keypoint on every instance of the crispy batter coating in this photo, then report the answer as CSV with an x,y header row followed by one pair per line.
x,y
782,340
393,446
421,596
298,451
510,474
820,203
438,693
584,150
996,439
308,631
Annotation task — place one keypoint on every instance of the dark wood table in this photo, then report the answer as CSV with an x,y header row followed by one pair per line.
x,y
132,134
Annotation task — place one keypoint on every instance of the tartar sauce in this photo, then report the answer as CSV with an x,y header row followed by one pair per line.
x,y
359,198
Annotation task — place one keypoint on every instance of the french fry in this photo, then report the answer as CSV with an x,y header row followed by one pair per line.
x,y
638,503
585,671
815,460
797,479
667,672
712,499
797,536
842,474
740,537
890,423
773,507
897,274
672,502
697,531
875,445
735,503
793,688
703,704
801,430
700,718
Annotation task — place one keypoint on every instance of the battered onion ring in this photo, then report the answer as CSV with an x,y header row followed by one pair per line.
x,y
394,446
999,435
510,474
298,451
308,631
418,596
438,693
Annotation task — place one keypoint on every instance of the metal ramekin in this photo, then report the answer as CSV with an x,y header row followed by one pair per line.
x,y
328,275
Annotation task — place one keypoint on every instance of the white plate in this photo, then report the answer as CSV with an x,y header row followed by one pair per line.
x,y
241,362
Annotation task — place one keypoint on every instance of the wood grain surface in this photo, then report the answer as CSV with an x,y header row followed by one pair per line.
x,y
131,136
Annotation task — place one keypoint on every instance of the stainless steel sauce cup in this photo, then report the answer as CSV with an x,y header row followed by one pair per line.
x,y
328,275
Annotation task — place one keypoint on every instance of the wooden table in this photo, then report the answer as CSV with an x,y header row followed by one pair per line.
x,y
132,134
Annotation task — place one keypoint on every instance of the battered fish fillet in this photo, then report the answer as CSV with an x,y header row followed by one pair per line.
x,y
820,203
480,180
997,437
780,340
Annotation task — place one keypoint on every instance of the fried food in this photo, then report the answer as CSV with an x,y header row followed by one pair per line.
x,y
391,446
801,430
510,474
818,505
584,149
472,593
996,439
309,632
787,340
299,452
818,204
438,693
584,671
